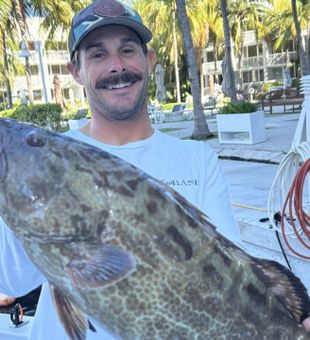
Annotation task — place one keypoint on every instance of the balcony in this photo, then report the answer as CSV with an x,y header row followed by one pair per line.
x,y
66,82
272,60
55,57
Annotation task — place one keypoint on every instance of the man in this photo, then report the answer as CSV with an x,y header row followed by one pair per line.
x,y
110,59
6,300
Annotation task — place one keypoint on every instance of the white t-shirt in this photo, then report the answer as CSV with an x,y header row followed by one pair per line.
x,y
189,167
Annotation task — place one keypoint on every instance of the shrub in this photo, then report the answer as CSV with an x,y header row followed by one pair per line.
x,y
46,115
9,113
274,83
240,107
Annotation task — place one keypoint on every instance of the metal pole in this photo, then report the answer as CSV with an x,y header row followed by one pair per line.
x,y
37,45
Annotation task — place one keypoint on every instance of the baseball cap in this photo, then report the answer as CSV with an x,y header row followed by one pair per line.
x,y
102,13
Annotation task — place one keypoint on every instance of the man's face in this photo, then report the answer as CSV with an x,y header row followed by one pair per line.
x,y
114,71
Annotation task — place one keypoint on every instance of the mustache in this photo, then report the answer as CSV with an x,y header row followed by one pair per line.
x,y
114,79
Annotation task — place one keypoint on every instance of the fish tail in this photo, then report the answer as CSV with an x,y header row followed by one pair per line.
x,y
73,320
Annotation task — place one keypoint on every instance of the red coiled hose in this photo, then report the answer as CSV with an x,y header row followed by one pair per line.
x,y
294,202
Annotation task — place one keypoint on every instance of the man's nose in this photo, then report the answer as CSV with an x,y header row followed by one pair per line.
x,y
117,64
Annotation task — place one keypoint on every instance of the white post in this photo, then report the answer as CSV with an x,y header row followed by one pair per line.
x,y
37,45
302,133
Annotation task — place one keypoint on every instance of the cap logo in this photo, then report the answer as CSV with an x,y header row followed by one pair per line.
x,y
108,8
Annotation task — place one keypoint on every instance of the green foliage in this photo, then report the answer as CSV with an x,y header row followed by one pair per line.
x,y
240,107
2,106
47,115
169,106
266,86
76,113
7,113
296,83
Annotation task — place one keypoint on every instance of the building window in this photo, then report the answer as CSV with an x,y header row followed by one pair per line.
x,y
252,51
245,52
210,56
55,69
247,76
37,94
64,69
259,75
65,93
34,70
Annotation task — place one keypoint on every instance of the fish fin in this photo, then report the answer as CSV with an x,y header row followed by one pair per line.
x,y
100,266
288,288
73,320
91,327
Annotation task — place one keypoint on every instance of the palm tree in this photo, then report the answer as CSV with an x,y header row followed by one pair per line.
x,y
198,14
304,64
229,75
280,27
201,129
57,14
20,15
160,17
6,69
216,34
5,9
243,15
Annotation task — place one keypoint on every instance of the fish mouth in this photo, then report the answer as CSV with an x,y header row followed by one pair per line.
x,y
56,239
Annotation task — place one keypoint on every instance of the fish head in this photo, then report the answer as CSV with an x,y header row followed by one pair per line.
x,y
33,165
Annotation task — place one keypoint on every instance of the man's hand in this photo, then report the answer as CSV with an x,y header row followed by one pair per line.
x,y
6,300
306,324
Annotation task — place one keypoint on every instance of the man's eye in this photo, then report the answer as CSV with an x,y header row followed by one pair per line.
x,y
128,51
98,55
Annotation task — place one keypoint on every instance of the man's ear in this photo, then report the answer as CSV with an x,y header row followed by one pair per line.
x,y
74,70
151,59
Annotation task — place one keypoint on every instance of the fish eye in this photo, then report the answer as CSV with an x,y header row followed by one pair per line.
x,y
34,139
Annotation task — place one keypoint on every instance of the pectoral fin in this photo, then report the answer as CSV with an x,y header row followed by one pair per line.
x,y
73,320
100,266
286,287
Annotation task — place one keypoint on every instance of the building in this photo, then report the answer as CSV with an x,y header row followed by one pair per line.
x,y
47,59
258,64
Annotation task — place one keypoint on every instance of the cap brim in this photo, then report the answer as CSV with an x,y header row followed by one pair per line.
x,y
143,32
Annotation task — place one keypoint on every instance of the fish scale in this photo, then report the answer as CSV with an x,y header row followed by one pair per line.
x,y
127,250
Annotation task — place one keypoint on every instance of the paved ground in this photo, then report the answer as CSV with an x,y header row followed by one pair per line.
x,y
280,129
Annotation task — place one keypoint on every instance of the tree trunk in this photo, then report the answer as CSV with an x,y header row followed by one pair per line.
x,y
23,28
201,129
232,93
176,63
6,72
304,65
240,65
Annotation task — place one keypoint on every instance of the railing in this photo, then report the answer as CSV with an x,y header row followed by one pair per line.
x,y
209,68
57,56
51,57
66,81
276,59
252,62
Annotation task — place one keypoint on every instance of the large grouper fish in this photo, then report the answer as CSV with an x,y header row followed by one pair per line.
x,y
125,249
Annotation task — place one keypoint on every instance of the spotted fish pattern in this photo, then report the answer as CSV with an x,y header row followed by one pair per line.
x,y
119,246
